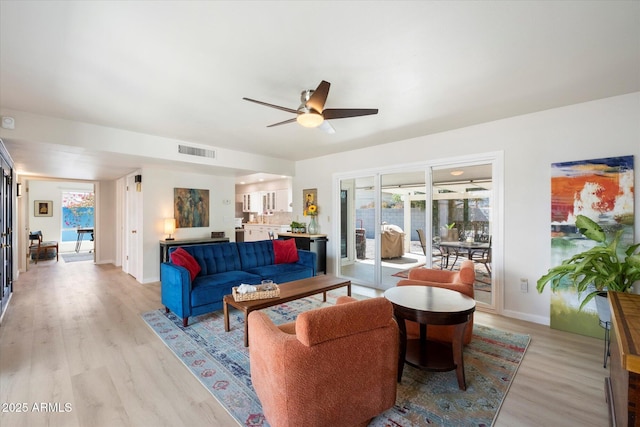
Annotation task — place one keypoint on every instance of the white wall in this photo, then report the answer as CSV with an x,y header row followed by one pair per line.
x,y
157,193
106,220
531,143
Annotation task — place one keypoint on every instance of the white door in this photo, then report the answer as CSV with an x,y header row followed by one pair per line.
x,y
130,262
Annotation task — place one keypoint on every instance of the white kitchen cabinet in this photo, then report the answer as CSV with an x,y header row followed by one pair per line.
x,y
246,202
283,200
269,201
252,202
256,202
255,232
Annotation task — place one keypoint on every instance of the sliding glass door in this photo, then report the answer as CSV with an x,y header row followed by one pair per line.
x,y
358,217
380,215
462,226
403,217
434,215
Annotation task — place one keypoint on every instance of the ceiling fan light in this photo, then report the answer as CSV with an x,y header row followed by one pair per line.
x,y
310,120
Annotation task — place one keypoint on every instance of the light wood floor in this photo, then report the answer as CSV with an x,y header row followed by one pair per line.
x,y
73,334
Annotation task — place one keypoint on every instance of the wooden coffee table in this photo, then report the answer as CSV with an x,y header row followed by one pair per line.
x,y
429,305
288,292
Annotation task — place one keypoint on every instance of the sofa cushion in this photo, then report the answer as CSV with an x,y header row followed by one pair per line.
x,y
281,273
184,259
255,254
206,289
285,251
216,258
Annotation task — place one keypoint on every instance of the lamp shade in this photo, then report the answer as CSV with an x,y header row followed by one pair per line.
x,y
169,226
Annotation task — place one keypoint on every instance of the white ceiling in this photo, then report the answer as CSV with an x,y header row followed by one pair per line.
x,y
180,69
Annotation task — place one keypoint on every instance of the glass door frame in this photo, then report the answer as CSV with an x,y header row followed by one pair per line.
x,y
496,159
376,176
351,239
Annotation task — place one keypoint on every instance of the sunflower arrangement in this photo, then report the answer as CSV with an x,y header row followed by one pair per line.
x,y
312,210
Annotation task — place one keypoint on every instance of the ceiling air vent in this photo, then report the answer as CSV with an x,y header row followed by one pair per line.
x,y
193,151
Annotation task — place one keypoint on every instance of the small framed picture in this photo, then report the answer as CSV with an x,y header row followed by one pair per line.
x,y
309,197
43,208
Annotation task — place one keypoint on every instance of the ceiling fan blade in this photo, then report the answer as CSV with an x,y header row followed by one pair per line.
x,y
288,110
326,127
319,96
343,113
283,123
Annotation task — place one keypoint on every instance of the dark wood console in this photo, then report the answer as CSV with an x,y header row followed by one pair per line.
x,y
622,387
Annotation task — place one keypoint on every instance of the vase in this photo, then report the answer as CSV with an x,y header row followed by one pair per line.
x,y
313,226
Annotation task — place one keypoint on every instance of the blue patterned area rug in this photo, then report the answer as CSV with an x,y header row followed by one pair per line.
x,y
221,363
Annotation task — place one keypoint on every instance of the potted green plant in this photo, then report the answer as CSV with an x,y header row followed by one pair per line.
x,y
449,233
598,269
298,227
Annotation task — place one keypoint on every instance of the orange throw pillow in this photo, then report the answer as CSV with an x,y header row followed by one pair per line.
x,y
285,251
184,259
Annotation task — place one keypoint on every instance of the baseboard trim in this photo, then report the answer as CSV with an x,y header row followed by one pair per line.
x,y
528,317
6,307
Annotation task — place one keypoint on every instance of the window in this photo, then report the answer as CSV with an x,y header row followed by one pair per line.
x,y
77,212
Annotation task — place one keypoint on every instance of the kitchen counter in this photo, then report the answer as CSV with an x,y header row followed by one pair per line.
x,y
305,235
311,242
255,224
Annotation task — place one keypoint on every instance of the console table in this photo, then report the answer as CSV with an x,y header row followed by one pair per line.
x,y
316,243
622,387
166,244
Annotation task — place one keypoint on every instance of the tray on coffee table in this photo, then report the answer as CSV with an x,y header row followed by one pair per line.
x,y
272,291
289,291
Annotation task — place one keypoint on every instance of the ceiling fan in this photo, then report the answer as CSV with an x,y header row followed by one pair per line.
x,y
311,113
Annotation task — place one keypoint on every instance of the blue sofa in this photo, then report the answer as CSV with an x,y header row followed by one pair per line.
x,y
223,266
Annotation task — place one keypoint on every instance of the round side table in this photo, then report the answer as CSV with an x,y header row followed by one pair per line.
x,y
429,305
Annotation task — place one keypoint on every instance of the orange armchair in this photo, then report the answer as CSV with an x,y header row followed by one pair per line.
x,y
461,281
333,366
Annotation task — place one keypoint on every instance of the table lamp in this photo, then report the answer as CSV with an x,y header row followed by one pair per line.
x,y
169,227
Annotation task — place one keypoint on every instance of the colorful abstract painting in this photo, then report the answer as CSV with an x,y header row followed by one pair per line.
x,y
191,207
601,189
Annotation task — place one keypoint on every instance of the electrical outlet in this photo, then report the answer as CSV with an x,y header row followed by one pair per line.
x,y
524,285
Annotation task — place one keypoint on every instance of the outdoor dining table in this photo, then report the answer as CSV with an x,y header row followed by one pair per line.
x,y
469,247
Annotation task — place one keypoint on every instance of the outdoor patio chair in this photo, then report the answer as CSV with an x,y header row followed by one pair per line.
x,y
436,250
483,256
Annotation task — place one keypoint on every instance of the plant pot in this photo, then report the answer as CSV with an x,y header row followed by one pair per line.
x,y
602,306
449,235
